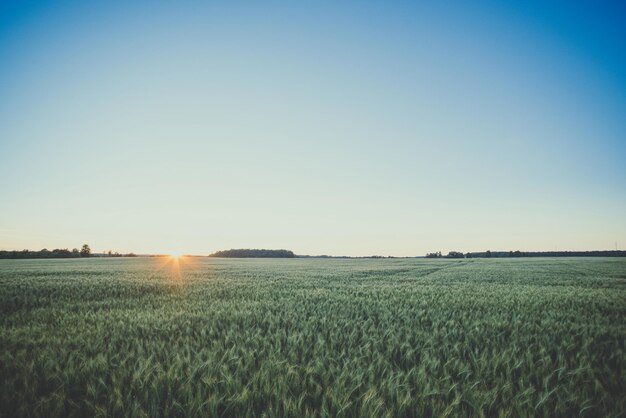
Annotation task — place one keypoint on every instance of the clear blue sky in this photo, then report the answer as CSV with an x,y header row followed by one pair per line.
x,y
350,128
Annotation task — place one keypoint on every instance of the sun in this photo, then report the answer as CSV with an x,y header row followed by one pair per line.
x,y
176,255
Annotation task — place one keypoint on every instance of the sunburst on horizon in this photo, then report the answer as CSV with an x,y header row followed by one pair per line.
x,y
176,254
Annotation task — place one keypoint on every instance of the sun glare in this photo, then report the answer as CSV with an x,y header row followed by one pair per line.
x,y
176,254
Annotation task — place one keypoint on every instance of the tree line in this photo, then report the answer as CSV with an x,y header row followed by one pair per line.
x,y
85,251
253,253
451,254
517,253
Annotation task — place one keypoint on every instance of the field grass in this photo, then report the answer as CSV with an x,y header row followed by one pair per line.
x,y
310,337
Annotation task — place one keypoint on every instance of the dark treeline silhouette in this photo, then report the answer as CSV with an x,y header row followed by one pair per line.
x,y
501,254
85,251
451,254
248,253
455,254
434,255
116,254
517,253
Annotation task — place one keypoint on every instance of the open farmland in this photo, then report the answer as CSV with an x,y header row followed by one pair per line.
x,y
309,337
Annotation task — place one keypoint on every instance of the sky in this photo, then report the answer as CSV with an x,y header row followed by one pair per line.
x,y
342,128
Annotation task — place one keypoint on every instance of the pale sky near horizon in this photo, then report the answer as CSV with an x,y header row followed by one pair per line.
x,y
343,128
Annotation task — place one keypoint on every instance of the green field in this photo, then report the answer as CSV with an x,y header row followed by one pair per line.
x,y
310,337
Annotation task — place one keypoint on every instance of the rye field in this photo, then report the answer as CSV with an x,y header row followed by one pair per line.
x,y
156,337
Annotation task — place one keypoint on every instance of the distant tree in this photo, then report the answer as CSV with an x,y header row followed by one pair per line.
x,y
75,252
434,255
85,251
468,255
488,254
